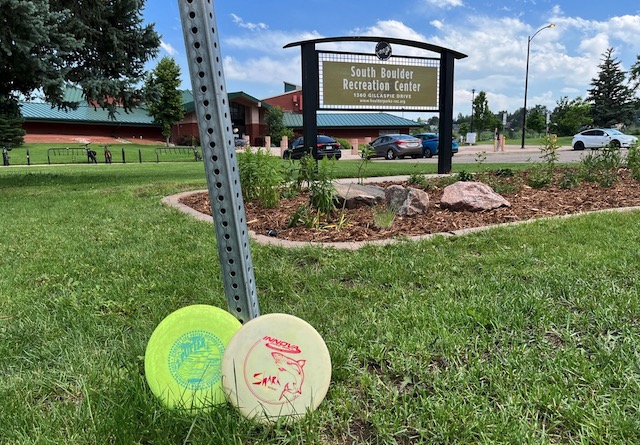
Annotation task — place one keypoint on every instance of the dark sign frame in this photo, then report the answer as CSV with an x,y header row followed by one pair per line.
x,y
311,88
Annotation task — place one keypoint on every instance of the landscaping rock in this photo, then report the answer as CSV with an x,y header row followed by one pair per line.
x,y
406,201
357,195
471,196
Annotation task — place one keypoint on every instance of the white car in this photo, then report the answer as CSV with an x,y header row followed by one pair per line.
x,y
598,137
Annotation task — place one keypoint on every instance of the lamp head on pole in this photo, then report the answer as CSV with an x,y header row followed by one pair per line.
x,y
550,25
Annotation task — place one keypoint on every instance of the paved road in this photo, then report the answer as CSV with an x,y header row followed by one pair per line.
x,y
512,154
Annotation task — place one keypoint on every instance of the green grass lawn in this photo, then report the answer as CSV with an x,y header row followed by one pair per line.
x,y
521,335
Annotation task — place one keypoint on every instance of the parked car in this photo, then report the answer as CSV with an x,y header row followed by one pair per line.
x,y
326,145
430,144
599,137
240,143
391,146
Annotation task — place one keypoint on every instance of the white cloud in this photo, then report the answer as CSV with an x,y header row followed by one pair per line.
x,y
445,3
595,45
269,41
168,48
263,70
437,24
248,25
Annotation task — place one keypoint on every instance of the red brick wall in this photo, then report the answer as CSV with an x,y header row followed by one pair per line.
x,y
288,102
116,131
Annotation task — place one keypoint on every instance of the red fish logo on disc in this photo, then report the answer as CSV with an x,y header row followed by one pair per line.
x,y
274,371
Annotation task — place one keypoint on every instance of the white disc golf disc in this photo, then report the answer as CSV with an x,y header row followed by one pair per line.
x,y
182,362
275,366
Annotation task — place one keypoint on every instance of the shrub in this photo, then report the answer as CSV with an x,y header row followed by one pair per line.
x,y
632,161
188,140
570,179
601,167
465,176
344,144
419,179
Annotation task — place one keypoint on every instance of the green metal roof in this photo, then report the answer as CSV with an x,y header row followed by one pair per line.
x,y
189,104
352,120
73,94
32,111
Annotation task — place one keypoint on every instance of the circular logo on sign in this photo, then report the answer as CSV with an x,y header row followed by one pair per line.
x,y
194,360
383,50
274,371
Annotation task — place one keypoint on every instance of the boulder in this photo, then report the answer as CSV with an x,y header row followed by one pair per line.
x,y
406,201
357,195
471,196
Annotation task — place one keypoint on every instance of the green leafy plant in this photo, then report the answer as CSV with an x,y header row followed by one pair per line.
x,y
365,154
290,177
306,170
504,172
542,173
306,217
419,179
601,166
540,176
481,157
549,151
321,189
570,178
261,176
632,161
465,176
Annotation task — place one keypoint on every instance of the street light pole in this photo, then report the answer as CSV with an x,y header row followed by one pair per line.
x,y
473,98
526,80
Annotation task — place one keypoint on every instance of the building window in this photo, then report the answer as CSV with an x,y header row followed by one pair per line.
x,y
237,113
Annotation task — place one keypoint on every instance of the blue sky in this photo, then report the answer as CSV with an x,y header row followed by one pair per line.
x,y
493,33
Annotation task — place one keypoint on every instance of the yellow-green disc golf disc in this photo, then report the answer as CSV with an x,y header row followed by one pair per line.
x,y
276,366
183,359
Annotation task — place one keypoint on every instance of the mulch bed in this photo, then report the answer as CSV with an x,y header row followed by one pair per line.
x,y
526,203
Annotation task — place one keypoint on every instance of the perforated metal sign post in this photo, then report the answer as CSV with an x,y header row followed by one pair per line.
x,y
221,166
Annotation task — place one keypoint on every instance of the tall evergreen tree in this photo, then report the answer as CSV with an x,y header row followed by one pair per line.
x,y
612,100
164,100
537,119
483,118
100,45
11,132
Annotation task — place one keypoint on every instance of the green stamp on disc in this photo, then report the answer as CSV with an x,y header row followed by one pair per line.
x,y
183,358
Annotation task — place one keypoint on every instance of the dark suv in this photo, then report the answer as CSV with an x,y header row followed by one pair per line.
x,y
327,146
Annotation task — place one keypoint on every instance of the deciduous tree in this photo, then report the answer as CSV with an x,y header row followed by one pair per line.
x,y
570,116
164,99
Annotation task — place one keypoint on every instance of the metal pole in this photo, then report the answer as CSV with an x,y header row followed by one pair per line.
x,y
446,113
526,80
221,166
473,98
526,85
